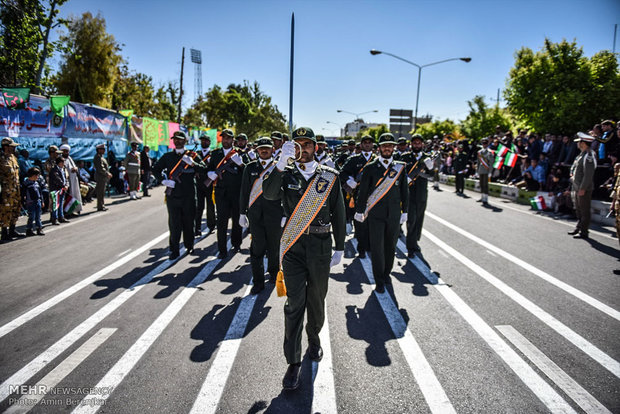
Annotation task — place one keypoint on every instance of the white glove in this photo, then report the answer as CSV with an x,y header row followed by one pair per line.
x,y
403,218
252,155
169,183
283,222
359,217
409,180
429,163
336,258
243,221
236,159
351,183
188,160
212,175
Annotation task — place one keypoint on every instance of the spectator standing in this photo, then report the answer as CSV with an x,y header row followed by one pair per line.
x,y
10,200
145,169
102,175
58,185
567,151
74,182
25,163
607,142
132,166
33,200
582,175
615,196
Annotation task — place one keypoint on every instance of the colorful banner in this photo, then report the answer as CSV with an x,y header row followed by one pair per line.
x,y
172,128
58,103
135,130
14,98
84,121
35,121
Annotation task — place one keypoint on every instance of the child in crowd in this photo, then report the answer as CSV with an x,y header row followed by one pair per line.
x,y
33,200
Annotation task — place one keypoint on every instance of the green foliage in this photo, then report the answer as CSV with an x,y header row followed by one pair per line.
x,y
244,107
166,102
374,132
437,127
24,46
482,119
559,90
91,62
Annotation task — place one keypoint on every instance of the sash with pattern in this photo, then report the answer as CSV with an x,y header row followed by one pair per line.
x,y
306,210
383,186
257,187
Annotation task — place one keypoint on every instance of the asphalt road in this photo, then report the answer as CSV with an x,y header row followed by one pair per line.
x,y
503,312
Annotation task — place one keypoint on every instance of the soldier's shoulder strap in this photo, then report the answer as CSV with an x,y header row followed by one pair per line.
x,y
325,168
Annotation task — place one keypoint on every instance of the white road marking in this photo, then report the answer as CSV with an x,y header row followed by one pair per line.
x,y
129,360
580,342
47,383
49,228
123,253
34,366
491,253
534,270
34,312
434,394
441,252
570,387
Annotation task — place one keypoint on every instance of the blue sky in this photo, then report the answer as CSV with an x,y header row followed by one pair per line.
x,y
250,40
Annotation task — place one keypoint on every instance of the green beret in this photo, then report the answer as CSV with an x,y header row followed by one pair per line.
x,y
304,132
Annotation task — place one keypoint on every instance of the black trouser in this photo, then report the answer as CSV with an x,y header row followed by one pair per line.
x,y
418,196
181,212
362,236
146,178
484,184
205,193
266,233
306,275
227,208
460,182
384,235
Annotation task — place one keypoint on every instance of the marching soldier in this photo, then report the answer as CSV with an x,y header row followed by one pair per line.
x,y
321,155
276,137
225,171
312,201
10,197
402,148
383,200
485,166
204,193
419,170
132,167
241,144
582,178
102,176
180,166
261,215
352,175
347,151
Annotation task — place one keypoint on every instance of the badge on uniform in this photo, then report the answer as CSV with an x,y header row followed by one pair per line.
x,y
392,173
321,185
294,187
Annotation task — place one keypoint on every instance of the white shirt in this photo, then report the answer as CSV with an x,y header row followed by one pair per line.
x,y
179,150
226,151
266,162
205,151
383,162
308,169
366,155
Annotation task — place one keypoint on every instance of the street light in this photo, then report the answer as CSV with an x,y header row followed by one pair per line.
x,y
357,116
339,126
417,98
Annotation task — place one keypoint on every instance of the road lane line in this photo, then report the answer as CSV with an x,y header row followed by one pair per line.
x,y
580,342
491,253
570,387
34,312
434,394
123,253
543,275
47,383
34,366
129,360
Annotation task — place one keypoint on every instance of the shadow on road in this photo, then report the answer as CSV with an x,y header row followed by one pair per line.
x,y
297,401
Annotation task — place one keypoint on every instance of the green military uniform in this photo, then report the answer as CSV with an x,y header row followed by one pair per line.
x,y
306,264
181,202
582,178
615,195
102,171
485,156
264,218
132,168
10,197
204,194
384,218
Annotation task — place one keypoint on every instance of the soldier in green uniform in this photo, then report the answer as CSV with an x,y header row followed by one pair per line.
x,y
276,137
582,178
321,155
102,176
484,168
351,175
261,215
180,167
225,170
383,200
10,197
306,188
422,166
204,193
132,167
402,147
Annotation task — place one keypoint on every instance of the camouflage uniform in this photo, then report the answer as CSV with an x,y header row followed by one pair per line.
x,y
10,194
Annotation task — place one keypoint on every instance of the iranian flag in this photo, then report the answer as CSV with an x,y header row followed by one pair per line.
x,y
538,203
499,161
70,204
55,196
501,150
511,159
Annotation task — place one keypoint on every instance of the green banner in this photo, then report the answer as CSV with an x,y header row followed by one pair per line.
x,y
14,98
150,132
58,103
127,113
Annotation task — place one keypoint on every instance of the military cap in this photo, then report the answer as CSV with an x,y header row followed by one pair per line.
x,y
100,146
134,144
581,136
53,148
179,135
351,142
402,140
9,141
276,135
205,137
263,142
417,136
242,136
228,133
285,137
608,122
304,132
386,138
320,139
367,138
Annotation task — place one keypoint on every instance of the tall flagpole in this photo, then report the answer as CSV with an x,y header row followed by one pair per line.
x,y
290,93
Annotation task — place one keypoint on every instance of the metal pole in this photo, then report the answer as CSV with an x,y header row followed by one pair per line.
x,y
290,93
181,87
615,31
417,99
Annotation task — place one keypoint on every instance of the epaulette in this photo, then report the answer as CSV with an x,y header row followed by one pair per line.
x,y
399,162
329,169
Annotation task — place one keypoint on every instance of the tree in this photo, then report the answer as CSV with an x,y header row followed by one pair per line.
x,y
91,61
133,91
374,132
166,102
437,127
482,119
24,41
559,90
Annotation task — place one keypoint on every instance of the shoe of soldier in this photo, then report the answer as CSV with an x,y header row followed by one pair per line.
x,y
291,378
55,222
315,352
173,256
222,255
572,233
411,253
380,288
63,220
361,254
581,236
257,288
480,201
190,250
197,233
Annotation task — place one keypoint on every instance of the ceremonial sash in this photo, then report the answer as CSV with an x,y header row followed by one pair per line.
x,y
383,186
306,210
482,160
257,187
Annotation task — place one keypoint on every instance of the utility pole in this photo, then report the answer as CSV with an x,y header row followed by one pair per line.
x,y
181,87
290,93
615,32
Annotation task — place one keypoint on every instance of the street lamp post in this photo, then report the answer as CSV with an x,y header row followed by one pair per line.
x,y
339,126
417,98
357,116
